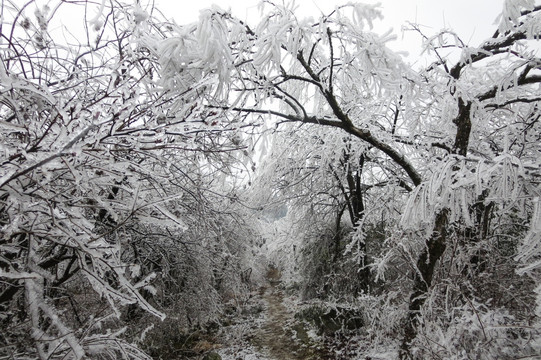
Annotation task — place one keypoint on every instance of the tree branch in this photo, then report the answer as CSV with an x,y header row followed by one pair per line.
x,y
532,79
487,50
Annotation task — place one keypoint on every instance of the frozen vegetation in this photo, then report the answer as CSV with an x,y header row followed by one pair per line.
x,y
291,189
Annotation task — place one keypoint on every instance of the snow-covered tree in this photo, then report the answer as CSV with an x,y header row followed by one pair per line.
x,y
461,136
107,189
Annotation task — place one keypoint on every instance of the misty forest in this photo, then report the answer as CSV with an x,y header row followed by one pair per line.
x,y
288,189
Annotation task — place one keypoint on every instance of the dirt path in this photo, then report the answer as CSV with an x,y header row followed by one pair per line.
x,y
272,333
281,337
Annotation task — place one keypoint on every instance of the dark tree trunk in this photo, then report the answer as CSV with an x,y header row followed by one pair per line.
x,y
355,193
356,209
463,125
435,246
338,234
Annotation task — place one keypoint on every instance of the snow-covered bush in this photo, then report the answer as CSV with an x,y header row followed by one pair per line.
x,y
111,199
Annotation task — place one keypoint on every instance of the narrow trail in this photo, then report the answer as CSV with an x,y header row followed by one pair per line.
x,y
281,337
273,332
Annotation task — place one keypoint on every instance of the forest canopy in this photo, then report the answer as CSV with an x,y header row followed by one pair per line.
x,y
145,164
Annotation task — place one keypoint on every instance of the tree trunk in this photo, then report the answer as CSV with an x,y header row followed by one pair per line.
x,y
337,234
435,246
357,213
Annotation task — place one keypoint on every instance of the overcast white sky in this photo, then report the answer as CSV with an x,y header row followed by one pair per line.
x,y
473,20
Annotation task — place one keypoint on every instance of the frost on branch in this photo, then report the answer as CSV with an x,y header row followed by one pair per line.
x,y
530,247
235,66
510,18
459,184
97,169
